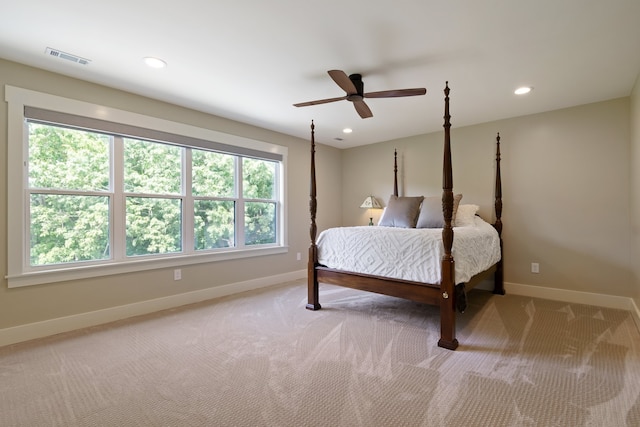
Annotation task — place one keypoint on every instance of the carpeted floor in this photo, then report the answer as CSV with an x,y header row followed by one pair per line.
x,y
262,359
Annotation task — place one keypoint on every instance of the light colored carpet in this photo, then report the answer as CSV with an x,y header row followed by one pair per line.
x,y
262,359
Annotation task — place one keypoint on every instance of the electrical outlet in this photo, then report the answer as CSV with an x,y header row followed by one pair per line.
x,y
535,267
177,274
298,256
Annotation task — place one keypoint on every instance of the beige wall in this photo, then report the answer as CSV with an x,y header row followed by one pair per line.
x,y
20,306
566,190
635,186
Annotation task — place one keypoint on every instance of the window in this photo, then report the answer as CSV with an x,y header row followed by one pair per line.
x,y
212,186
131,192
153,199
68,195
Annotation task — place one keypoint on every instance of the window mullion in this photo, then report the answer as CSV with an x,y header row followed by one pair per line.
x,y
118,220
26,203
239,223
188,239
279,197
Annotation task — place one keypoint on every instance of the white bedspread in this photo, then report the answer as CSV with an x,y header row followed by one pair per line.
x,y
409,253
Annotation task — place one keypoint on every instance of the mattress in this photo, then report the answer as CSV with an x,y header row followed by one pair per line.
x,y
409,253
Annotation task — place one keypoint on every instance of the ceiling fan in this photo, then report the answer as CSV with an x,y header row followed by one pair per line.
x,y
354,88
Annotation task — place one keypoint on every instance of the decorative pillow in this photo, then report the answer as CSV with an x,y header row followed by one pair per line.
x,y
466,215
431,215
401,212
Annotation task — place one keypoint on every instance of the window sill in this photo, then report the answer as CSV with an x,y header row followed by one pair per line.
x,y
130,266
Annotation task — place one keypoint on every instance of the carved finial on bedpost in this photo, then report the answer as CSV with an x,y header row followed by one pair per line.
x,y
498,287
395,172
312,191
447,180
498,195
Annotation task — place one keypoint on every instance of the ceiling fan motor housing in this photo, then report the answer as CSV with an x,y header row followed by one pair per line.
x,y
356,79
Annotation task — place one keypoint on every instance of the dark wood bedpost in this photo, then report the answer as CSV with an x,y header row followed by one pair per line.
x,y
395,172
313,300
498,287
447,287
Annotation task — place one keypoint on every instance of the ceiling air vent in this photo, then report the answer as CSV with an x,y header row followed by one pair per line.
x,y
69,57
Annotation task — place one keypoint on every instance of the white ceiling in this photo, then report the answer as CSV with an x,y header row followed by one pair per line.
x,y
250,60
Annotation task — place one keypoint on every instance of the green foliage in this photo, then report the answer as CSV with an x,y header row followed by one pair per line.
x,y
212,174
214,224
153,226
68,159
259,223
69,225
68,228
259,178
152,168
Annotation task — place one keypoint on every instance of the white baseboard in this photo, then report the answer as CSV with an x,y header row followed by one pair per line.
x,y
69,323
577,297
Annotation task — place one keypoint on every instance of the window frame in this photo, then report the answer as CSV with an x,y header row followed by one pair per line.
x,y
20,273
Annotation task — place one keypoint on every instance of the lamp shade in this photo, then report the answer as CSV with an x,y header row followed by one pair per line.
x,y
371,203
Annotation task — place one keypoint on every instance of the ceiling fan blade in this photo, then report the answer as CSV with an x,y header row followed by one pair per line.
x,y
396,93
342,80
319,101
362,109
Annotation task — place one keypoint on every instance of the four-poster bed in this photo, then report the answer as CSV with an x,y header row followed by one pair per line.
x,y
447,293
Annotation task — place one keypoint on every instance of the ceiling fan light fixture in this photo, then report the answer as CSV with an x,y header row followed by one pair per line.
x,y
154,62
523,90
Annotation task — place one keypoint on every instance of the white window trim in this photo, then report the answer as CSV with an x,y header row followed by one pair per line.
x,y
17,179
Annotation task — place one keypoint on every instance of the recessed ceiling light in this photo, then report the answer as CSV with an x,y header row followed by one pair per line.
x,y
347,130
523,90
154,62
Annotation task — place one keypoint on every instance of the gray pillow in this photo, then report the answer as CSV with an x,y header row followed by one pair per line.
x,y
401,212
431,215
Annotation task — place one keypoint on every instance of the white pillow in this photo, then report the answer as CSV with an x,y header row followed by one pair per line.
x,y
466,215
